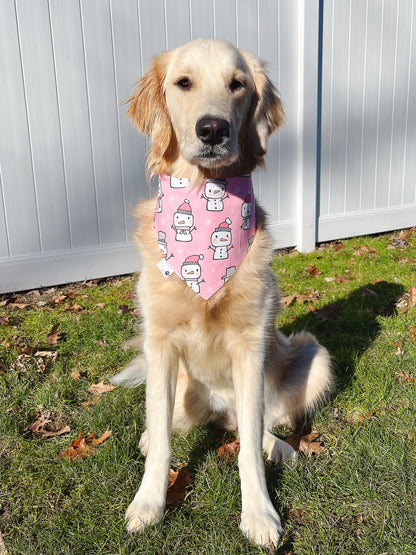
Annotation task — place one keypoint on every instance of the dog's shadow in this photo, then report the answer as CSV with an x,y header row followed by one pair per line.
x,y
347,328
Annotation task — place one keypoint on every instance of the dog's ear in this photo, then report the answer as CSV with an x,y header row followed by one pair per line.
x,y
148,110
267,112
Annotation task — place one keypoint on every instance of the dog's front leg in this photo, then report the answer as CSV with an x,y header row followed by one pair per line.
x,y
149,502
259,520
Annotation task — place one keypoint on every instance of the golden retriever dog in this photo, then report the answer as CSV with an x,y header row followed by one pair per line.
x,y
209,109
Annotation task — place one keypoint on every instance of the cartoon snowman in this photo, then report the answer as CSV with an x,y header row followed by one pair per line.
x,y
246,211
191,271
179,182
183,222
214,193
221,240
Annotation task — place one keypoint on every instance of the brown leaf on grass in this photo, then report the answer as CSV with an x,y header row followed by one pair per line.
x,y
413,334
49,424
400,350
309,444
229,451
4,320
178,483
99,388
405,377
53,336
407,300
312,297
82,447
75,374
91,402
313,271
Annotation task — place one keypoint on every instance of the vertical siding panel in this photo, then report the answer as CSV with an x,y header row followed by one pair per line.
x,y
267,50
356,60
327,112
4,239
104,119
409,181
44,124
127,71
202,19
15,154
152,29
371,103
224,20
400,97
288,85
177,23
340,61
247,25
385,113
74,115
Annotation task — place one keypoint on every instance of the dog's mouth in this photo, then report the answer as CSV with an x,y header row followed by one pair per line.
x,y
215,156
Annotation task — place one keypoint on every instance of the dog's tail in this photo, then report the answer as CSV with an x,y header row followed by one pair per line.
x,y
133,375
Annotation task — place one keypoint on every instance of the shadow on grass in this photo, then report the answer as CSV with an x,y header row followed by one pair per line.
x,y
348,327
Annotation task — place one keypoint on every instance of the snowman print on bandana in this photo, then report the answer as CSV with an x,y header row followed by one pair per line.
x,y
221,240
204,230
183,222
191,271
246,211
215,193
179,182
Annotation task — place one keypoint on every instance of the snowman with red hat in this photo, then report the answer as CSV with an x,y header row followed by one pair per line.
x,y
221,240
246,211
191,271
183,222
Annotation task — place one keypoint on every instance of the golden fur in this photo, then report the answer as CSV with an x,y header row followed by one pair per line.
x,y
219,360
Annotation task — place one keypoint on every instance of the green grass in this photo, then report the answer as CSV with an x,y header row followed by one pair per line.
x,y
359,496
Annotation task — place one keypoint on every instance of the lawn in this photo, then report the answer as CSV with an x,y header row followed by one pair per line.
x,y
357,494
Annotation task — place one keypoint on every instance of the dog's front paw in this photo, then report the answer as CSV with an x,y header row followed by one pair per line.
x,y
263,528
141,514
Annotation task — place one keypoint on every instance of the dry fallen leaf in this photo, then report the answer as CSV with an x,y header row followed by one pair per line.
x,y
405,377
178,483
309,444
313,270
75,374
49,424
99,388
53,335
229,451
82,447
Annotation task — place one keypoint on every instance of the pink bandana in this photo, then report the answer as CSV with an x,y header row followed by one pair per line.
x,y
204,232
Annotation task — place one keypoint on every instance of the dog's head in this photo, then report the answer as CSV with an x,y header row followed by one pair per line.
x,y
206,105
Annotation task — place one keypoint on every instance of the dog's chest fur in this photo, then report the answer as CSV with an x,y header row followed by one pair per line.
x,y
205,333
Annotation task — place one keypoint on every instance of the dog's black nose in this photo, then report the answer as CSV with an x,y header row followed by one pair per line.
x,y
212,131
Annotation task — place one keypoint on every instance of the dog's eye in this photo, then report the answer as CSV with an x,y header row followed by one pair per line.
x,y
184,83
236,85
